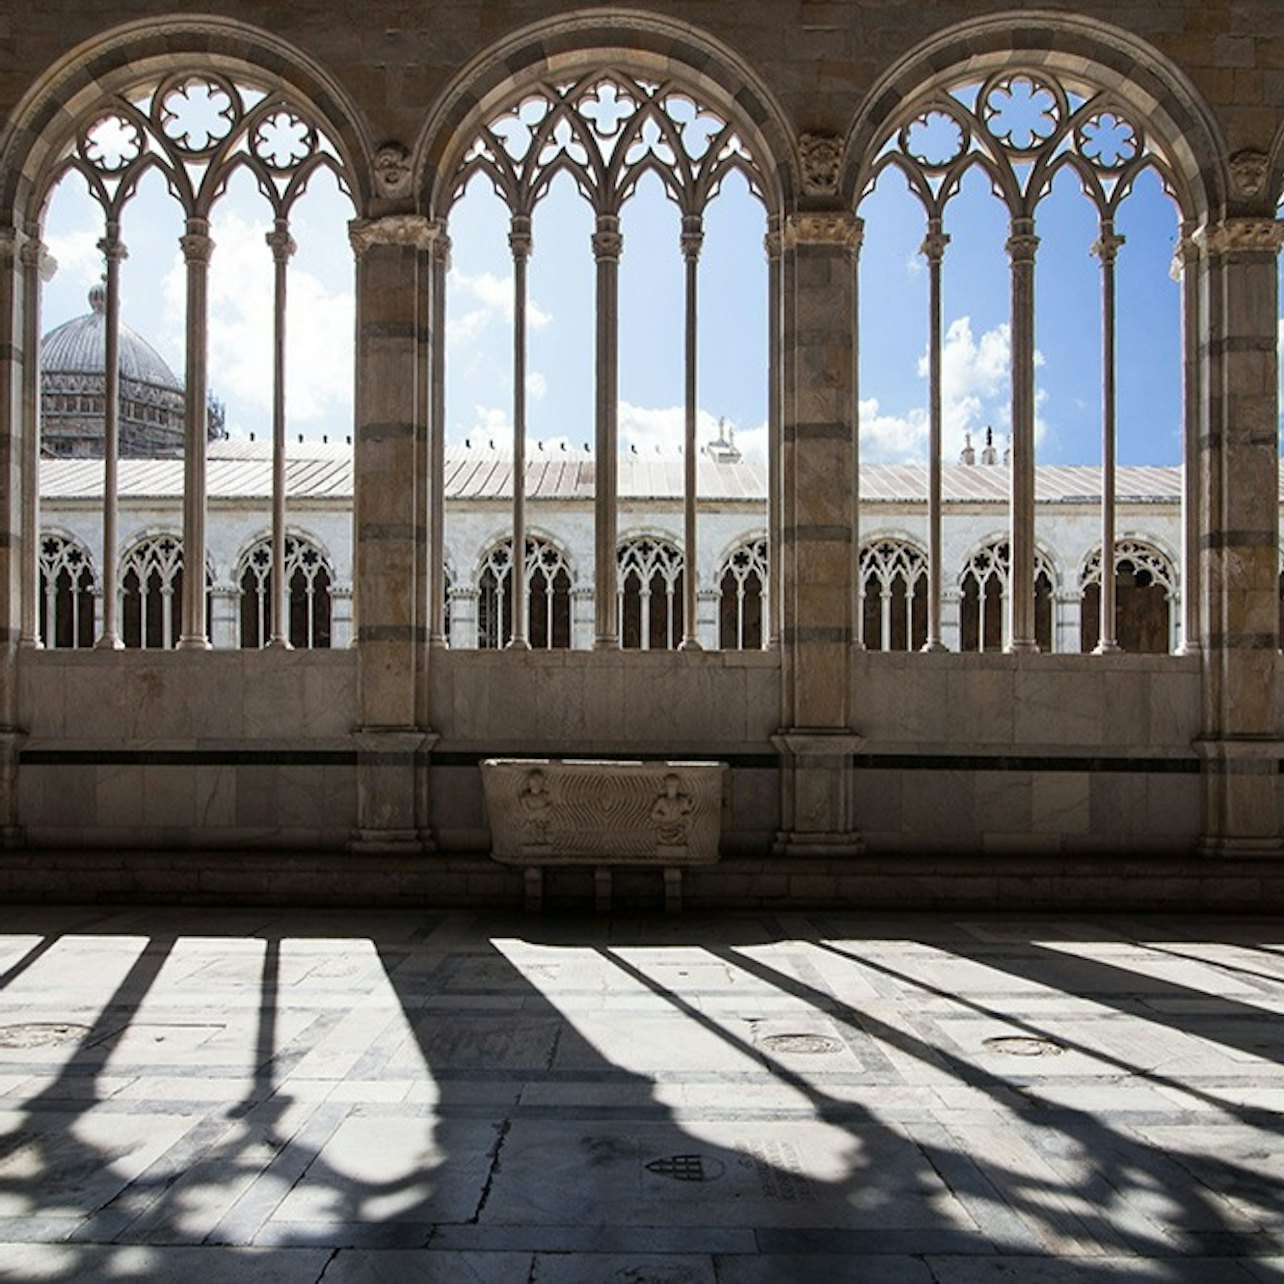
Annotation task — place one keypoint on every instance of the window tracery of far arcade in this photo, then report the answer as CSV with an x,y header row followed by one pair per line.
x,y
607,130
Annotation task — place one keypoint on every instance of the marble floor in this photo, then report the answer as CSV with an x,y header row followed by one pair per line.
x,y
285,1097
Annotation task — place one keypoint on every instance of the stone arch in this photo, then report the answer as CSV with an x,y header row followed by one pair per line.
x,y
125,56
1076,47
564,47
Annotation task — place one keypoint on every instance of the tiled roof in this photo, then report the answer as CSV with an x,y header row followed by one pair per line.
x,y
239,469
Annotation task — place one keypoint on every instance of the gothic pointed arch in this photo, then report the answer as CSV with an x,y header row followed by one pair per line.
x,y
1086,57
118,61
675,57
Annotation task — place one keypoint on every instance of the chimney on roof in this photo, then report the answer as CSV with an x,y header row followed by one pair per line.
x,y
989,455
968,454
722,449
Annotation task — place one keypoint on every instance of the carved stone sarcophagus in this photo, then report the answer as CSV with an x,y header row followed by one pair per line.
x,y
555,812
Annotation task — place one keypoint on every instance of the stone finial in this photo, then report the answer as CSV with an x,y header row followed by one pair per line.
x,y
968,454
822,159
1249,169
392,171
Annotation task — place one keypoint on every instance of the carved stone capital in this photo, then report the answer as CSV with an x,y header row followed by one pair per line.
x,y
197,246
1022,243
838,228
440,249
692,238
1238,235
1249,170
280,242
933,247
520,240
112,247
392,172
1106,247
607,240
393,229
773,243
822,159
30,251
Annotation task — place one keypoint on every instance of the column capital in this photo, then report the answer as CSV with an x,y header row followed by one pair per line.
x,y
607,240
1022,242
1185,251
414,230
692,238
34,253
836,227
280,242
1107,246
1240,235
113,248
196,242
773,242
520,240
934,243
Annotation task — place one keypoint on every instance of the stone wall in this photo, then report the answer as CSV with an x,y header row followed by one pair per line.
x,y
834,753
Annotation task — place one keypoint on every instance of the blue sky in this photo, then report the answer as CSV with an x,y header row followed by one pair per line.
x,y
733,334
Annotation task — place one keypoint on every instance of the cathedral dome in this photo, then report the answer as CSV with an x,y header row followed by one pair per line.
x,y
78,346
73,392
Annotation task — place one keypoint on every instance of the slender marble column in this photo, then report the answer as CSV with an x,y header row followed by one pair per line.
x,y
692,240
440,250
1106,249
771,589
114,253
281,243
197,248
519,241
1186,269
933,249
608,244
1021,247
857,606
34,258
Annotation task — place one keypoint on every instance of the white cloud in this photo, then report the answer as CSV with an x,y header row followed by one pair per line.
x,y
318,335
475,302
77,255
975,375
536,385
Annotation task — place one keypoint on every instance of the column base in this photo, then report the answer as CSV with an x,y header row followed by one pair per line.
x,y
517,644
1024,647
278,644
799,844
1107,648
817,800
606,644
194,642
106,643
930,647
689,644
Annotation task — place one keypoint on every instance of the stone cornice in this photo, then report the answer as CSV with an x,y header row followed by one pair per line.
x,y
393,229
1236,235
